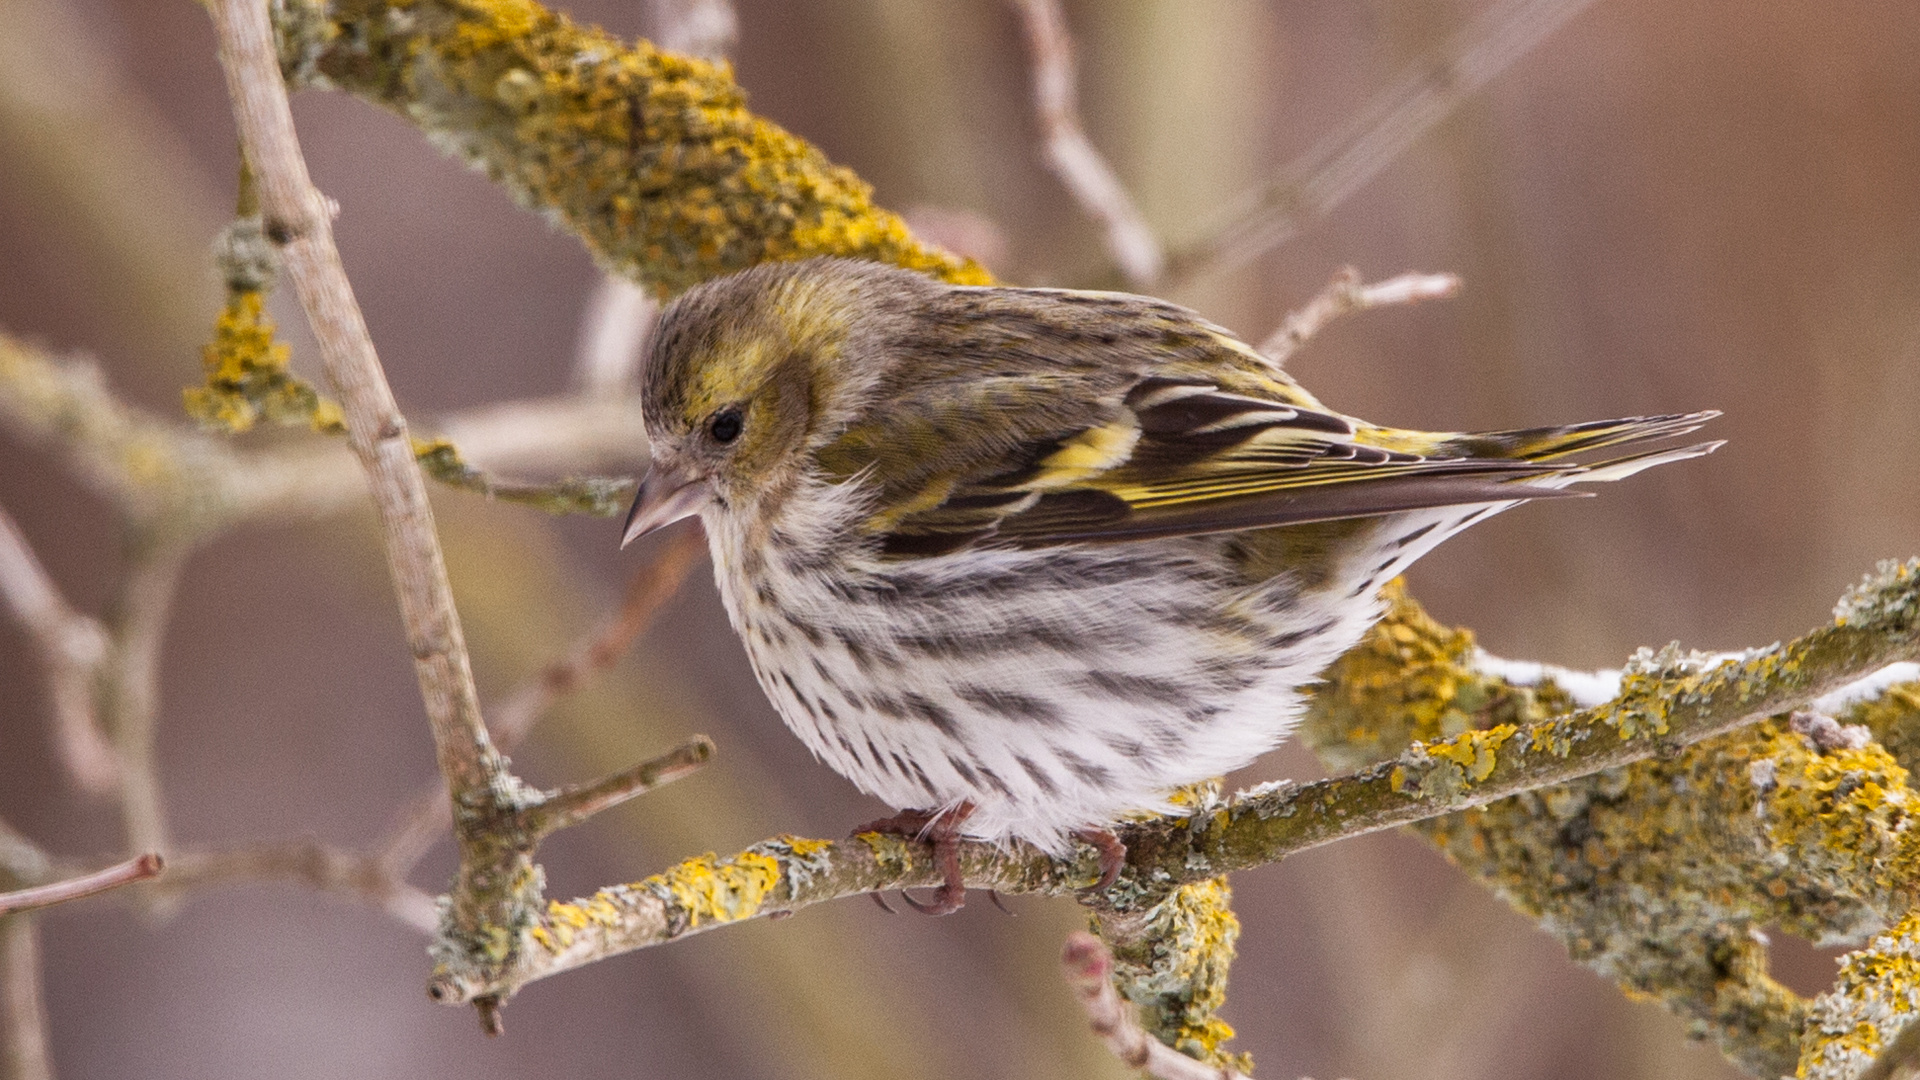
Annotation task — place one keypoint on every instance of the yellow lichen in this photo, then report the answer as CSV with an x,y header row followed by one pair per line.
x,y
1176,969
653,158
709,889
1876,995
1476,752
248,379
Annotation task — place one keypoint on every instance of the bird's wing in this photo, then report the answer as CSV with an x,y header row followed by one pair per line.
x,y
1182,456
1196,434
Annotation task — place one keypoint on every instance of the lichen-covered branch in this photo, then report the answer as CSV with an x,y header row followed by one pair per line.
x,y
1089,969
1658,875
1668,704
651,157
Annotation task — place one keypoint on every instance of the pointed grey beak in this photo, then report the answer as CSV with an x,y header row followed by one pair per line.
x,y
664,498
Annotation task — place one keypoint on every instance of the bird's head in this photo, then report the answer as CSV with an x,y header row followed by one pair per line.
x,y
747,374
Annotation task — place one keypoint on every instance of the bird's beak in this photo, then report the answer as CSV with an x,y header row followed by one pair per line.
x,y
665,497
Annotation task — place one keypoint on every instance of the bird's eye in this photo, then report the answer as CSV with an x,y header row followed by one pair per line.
x,y
725,426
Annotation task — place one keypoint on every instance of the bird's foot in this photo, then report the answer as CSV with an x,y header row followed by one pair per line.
x,y
942,830
1113,855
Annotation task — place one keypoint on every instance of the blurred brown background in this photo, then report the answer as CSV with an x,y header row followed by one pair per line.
x,y
1668,205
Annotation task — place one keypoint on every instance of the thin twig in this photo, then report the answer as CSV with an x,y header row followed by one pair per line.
x,y
130,697
309,862
1089,970
573,805
1345,295
25,1048
1343,162
76,888
298,217
1086,174
427,816
71,647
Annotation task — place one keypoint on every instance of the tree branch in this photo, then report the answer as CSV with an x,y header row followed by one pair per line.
x,y
1344,295
72,648
25,1050
1071,155
1089,970
1668,702
427,816
571,806
78,888
652,158
309,862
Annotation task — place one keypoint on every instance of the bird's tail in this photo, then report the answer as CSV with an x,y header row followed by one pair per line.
x,y
1552,444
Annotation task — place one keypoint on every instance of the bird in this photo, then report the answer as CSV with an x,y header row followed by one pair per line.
x,y
1023,562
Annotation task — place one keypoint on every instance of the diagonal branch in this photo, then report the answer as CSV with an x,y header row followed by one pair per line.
x,y
1668,702
1346,294
1346,160
427,816
72,648
1070,154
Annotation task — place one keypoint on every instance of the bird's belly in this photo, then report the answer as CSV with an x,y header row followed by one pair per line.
x,y
1053,690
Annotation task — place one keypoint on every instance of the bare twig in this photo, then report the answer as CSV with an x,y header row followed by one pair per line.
x,y
130,701
1345,295
495,883
25,1052
427,817
648,590
72,647
1074,160
76,888
1089,970
1343,162
574,805
309,862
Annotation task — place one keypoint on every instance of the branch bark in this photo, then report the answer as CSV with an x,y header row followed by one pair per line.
x,y
1668,702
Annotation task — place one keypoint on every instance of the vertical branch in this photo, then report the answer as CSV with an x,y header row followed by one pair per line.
x,y
1071,155
23,1009
131,689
